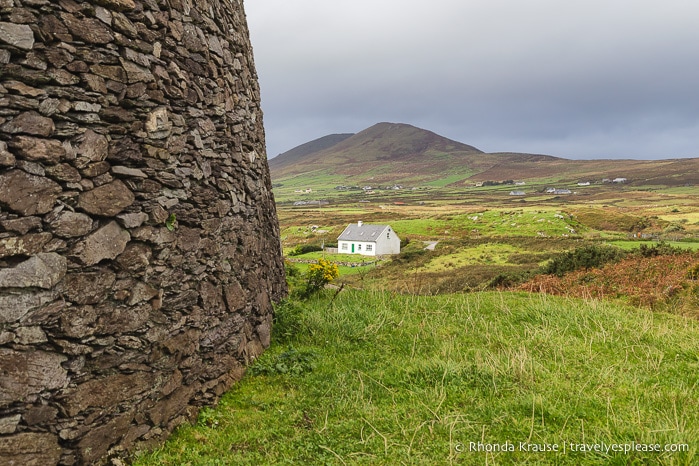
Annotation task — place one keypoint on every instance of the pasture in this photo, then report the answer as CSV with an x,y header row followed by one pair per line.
x,y
453,356
483,232
377,378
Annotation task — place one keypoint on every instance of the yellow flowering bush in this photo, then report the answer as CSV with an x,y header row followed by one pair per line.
x,y
319,275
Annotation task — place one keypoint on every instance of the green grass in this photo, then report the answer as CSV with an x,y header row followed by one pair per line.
x,y
384,379
432,223
449,179
421,227
517,222
495,253
492,223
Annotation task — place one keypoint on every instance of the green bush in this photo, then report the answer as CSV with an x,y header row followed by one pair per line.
x,y
673,228
660,249
586,257
305,248
507,280
408,256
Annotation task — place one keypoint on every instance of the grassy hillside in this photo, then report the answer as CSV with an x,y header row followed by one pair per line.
x,y
304,150
382,379
384,153
393,153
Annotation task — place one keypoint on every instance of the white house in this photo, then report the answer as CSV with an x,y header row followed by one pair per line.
x,y
368,240
558,191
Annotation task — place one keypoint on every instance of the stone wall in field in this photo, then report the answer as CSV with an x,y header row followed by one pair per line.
x,y
139,245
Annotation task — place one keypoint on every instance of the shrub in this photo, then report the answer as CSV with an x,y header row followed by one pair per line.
x,y
673,228
505,280
657,282
413,254
586,257
305,248
660,249
693,272
318,276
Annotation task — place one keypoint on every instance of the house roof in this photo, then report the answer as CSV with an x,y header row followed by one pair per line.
x,y
362,232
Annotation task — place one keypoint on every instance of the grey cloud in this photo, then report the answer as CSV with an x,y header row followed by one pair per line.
x,y
579,79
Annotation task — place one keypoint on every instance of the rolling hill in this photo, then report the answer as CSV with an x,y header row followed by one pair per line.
x,y
388,153
299,153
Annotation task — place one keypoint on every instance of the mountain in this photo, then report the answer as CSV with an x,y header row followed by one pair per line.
x,y
388,153
304,150
384,152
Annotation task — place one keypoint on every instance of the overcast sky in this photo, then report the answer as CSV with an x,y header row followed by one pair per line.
x,y
573,78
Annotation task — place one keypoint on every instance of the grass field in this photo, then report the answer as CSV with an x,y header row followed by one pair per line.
x,y
478,244
403,367
383,379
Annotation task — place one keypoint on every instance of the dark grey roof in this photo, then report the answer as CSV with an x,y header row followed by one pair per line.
x,y
365,232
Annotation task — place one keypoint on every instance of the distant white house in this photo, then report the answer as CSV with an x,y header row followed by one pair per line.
x,y
619,180
558,191
368,240
517,193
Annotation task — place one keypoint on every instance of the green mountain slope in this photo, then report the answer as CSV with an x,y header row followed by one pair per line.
x,y
389,153
383,153
299,153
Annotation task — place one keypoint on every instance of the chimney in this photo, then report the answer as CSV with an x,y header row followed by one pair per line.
x,y
359,223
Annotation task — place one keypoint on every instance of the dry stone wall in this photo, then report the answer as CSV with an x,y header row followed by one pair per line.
x,y
139,245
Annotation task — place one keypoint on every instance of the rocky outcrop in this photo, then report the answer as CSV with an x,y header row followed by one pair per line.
x,y
139,248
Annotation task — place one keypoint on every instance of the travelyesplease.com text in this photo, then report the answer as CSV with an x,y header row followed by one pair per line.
x,y
565,447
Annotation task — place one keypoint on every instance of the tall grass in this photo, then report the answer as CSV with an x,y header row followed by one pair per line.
x,y
385,379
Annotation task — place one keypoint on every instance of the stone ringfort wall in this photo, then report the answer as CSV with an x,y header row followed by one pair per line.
x,y
139,245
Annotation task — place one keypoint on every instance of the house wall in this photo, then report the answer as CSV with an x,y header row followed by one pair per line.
x,y
139,244
388,244
360,247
